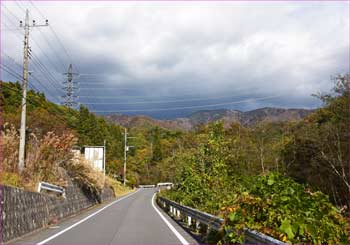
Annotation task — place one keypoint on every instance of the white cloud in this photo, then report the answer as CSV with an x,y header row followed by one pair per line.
x,y
210,47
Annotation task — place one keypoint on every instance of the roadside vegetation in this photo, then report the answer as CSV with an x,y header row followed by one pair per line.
x,y
288,180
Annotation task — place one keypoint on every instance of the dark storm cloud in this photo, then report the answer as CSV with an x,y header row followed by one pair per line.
x,y
218,52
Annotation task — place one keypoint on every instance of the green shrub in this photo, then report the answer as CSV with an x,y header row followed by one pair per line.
x,y
286,210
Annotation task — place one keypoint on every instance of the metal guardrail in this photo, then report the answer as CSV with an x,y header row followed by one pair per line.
x,y
51,187
213,222
147,186
202,217
255,237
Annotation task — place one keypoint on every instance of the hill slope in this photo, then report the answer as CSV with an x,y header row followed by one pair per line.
x,y
248,118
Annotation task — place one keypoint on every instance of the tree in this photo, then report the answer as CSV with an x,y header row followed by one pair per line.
x,y
319,152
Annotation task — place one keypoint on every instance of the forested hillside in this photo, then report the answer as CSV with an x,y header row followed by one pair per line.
x,y
46,119
248,118
52,131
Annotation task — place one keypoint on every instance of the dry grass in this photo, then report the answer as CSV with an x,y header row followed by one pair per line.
x,y
81,172
44,158
118,188
9,144
50,159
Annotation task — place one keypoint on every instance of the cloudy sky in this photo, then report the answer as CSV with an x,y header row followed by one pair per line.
x,y
168,59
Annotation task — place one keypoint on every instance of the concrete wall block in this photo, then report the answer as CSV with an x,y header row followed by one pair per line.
x,y
24,211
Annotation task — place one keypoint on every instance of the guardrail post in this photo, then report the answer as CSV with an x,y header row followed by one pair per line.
x,y
197,225
189,221
167,207
208,229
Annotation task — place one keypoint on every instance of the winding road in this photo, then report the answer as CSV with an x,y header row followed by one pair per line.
x,y
131,219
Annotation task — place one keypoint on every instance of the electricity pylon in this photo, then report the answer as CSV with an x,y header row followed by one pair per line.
x,y
71,89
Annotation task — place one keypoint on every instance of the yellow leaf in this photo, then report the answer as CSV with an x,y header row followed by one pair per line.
x,y
284,239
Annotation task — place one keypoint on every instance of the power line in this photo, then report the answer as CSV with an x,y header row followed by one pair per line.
x,y
193,107
8,10
9,29
34,40
20,77
11,72
16,75
63,47
37,64
55,34
47,90
15,27
46,56
17,3
12,60
105,88
193,95
53,49
34,61
162,101
37,103
69,94
45,71
90,74
49,43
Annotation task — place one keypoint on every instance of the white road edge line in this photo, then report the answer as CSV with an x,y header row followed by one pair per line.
x,y
171,227
86,218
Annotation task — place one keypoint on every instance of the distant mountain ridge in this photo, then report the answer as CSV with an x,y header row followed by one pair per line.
x,y
248,118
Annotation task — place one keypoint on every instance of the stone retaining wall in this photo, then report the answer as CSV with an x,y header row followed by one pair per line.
x,y
24,212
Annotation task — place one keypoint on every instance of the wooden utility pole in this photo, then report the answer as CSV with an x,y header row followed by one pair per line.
x,y
22,139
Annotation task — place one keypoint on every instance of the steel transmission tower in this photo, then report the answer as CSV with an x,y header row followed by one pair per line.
x,y
71,89
26,51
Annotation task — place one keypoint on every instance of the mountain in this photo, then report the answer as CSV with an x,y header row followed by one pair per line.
x,y
274,115
148,122
249,118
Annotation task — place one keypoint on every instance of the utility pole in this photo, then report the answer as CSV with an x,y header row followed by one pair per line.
x,y
22,139
104,157
70,89
126,149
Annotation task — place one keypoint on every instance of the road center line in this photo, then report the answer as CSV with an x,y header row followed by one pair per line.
x,y
86,218
171,227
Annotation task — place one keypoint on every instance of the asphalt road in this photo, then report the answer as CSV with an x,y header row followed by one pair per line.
x,y
132,219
